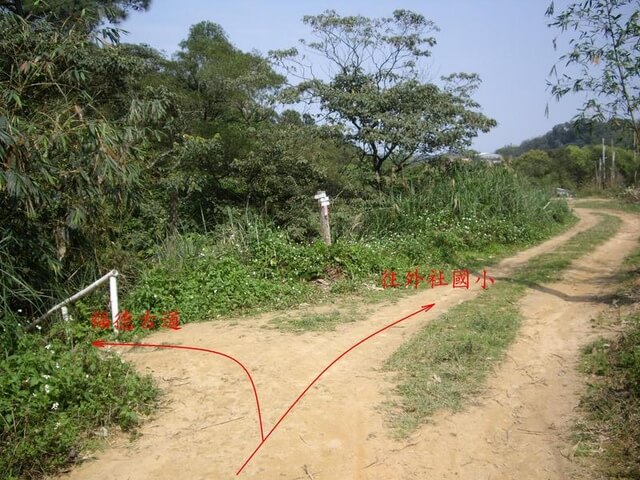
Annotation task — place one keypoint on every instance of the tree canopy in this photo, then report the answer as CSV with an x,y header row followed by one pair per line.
x,y
113,11
376,92
580,133
603,59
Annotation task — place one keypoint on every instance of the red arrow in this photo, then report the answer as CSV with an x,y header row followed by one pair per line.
x,y
424,308
263,437
102,343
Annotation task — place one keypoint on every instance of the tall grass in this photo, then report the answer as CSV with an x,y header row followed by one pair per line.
x,y
438,220
439,200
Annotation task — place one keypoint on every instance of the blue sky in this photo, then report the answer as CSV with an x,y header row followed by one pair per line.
x,y
507,42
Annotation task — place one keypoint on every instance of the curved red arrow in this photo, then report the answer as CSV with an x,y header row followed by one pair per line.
x,y
424,308
263,437
102,343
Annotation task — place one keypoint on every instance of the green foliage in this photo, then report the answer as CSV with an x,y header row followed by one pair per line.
x,y
280,174
62,11
472,203
65,166
249,263
581,133
375,93
55,389
230,85
602,59
574,167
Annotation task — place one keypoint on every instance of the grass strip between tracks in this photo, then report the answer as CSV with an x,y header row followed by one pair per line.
x,y
449,359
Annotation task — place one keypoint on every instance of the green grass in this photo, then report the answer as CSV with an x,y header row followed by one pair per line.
x,y
608,430
314,321
449,359
610,204
438,220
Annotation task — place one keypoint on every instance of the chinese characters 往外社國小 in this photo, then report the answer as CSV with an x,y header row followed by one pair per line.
x,y
459,279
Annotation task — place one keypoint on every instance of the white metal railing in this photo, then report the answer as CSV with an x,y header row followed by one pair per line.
x,y
112,277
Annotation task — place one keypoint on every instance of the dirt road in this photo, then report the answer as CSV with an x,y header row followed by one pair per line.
x,y
208,427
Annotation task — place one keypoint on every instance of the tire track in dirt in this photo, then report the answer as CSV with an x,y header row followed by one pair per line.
x,y
521,427
207,427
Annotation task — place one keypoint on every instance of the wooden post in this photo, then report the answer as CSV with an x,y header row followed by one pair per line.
x,y
323,203
613,166
602,174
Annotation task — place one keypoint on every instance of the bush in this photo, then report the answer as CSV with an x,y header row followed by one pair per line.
x,y
54,391
440,219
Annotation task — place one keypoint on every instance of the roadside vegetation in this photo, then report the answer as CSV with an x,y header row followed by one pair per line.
x,y
456,218
608,432
569,156
447,362
614,203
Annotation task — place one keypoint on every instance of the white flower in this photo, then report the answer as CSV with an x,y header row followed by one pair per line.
x,y
57,365
38,327
48,346
46,377
47,388
55,407
19,310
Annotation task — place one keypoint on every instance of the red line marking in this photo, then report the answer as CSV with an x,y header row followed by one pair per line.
x,y
102,343
263,437
425,308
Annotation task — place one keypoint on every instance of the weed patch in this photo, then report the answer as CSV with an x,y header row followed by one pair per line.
x,y
56,391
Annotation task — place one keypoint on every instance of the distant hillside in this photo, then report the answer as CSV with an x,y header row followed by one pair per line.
x,y
570,133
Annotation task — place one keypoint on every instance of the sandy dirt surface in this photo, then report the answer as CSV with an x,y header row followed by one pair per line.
x,y
208,425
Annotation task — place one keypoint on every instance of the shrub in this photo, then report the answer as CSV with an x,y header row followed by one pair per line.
x,y
54,391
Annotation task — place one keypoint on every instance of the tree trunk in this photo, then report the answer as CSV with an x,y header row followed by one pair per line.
x,y
173,212
62,241
377,168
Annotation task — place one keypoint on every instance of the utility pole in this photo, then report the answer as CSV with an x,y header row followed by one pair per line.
x,y
323,203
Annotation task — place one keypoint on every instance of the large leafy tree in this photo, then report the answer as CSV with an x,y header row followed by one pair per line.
x,y
231,85
603,59
376,91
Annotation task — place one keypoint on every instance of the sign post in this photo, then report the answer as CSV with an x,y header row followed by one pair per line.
x,y
323,203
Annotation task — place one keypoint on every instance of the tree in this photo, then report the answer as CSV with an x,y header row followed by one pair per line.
x,y
64,165
376,93
580,132
535,164
232,86
113,11
603,60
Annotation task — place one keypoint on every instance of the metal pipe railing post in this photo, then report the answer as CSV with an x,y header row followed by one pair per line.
x,y
113,296
113,288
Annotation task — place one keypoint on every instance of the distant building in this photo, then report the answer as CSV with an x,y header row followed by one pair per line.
x,y
493,158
